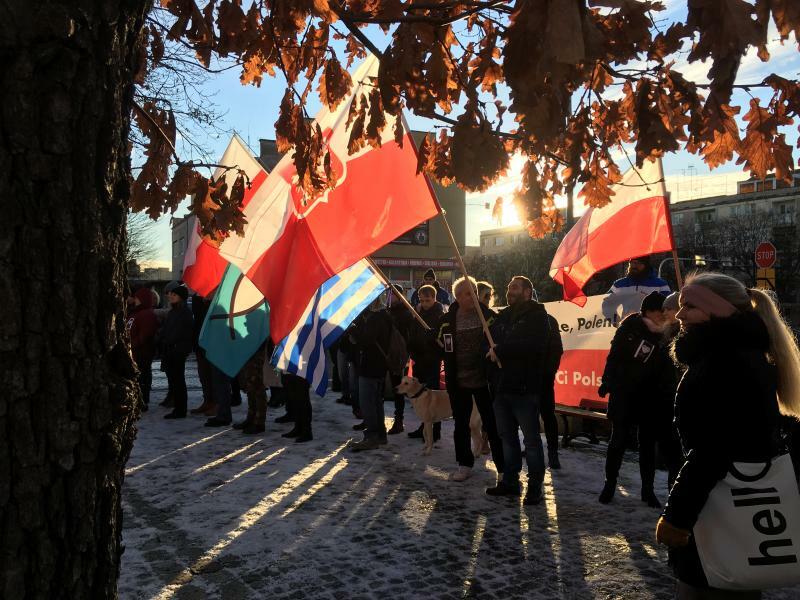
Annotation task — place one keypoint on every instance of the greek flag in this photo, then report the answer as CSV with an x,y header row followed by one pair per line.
x,y
335,305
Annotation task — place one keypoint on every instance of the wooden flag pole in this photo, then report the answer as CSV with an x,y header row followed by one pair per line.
x,y
472,291
402,297
675,262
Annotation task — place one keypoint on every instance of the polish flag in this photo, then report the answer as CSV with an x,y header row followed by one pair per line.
x,y
292,244
203,267
635,223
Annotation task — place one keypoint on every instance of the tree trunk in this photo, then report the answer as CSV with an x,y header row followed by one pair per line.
x,y
68,399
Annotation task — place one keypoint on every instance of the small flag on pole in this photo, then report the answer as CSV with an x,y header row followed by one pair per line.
x,y
331,310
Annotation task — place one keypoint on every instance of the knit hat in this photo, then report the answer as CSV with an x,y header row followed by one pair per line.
x,y
671,302
653,301
182,291
171,286
644,260
429,273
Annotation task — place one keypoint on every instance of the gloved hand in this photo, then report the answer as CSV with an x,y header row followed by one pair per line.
x,y
602,390
671,536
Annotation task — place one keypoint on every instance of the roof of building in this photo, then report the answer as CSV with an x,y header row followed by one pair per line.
x,y
714,201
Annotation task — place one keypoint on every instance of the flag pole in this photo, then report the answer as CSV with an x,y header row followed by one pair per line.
x,y
675,262
402,297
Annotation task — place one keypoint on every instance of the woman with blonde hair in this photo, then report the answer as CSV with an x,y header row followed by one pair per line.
x,y
742,371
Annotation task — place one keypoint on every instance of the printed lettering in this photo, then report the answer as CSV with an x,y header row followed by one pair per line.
x,y
766,559
763,522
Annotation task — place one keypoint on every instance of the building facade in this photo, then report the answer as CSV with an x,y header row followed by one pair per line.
x,y
502,239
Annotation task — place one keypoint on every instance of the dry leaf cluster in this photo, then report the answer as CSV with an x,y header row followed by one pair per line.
x,y
585,80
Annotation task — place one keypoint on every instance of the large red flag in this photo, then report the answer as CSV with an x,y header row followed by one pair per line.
x,y
203,267
291,247
635,223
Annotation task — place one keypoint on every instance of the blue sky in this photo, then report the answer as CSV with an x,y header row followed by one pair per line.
x,y
251,112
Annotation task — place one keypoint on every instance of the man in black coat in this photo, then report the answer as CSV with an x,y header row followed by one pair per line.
x,y
547,398
425,353
637,369
175,341
371,334
520,334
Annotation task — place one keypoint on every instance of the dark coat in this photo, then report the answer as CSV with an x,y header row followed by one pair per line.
x,y
177,334
447,327
554,349
371,335
521,336
422,342
726,410
143,328
632,368
441,296
200,307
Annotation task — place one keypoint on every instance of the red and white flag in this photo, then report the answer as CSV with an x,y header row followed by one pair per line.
x,y
291,247
635,223
203,266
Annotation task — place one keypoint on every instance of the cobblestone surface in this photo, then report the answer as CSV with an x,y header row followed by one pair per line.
x,y
211,513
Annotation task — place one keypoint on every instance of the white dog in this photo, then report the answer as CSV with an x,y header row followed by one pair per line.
x,y
434,405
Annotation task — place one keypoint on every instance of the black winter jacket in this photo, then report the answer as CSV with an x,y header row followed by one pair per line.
x,y
726,411
521,335
421,342
371,334
447,331
177,334
555,348
632,368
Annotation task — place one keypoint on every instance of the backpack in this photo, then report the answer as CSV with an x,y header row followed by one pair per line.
x,y
397,356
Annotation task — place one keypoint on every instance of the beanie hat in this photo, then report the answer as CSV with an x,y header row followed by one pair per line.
x,y
653,301
429,273
671,302
182,291
645,260
171,286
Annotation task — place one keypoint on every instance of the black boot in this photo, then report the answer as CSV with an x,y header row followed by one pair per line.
x,y
552,457
649,498
287,418
534,494
417,433
295,432
608,492
503,489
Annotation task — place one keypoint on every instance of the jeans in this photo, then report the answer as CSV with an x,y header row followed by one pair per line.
x,y
399,399
221,392
205,374
461,403
547,410
145,378
514,412
175,366
370,398
343,368
353,377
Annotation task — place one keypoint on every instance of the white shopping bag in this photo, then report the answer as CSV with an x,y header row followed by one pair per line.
x,y
748,533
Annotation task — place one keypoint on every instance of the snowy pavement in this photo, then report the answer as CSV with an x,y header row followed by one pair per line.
x,y
212,513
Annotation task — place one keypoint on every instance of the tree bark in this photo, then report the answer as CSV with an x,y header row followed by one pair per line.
x,y
68,398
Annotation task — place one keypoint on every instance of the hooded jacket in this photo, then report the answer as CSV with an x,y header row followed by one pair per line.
x,y
726,410
422,343
143,328
371,335
521,335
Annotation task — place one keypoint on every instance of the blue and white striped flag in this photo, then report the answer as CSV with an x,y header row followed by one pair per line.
x,y
335,305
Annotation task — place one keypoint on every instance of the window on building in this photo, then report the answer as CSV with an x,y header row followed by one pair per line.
x,y
784,211
705,216
677,218
741,210
499,241
747,188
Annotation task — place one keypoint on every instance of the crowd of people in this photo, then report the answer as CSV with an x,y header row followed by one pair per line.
x,y
707,376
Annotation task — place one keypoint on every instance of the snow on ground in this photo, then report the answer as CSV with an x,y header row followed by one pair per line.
x,y
212,513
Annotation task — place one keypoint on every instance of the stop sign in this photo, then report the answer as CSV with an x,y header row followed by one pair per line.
x,y
765,255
